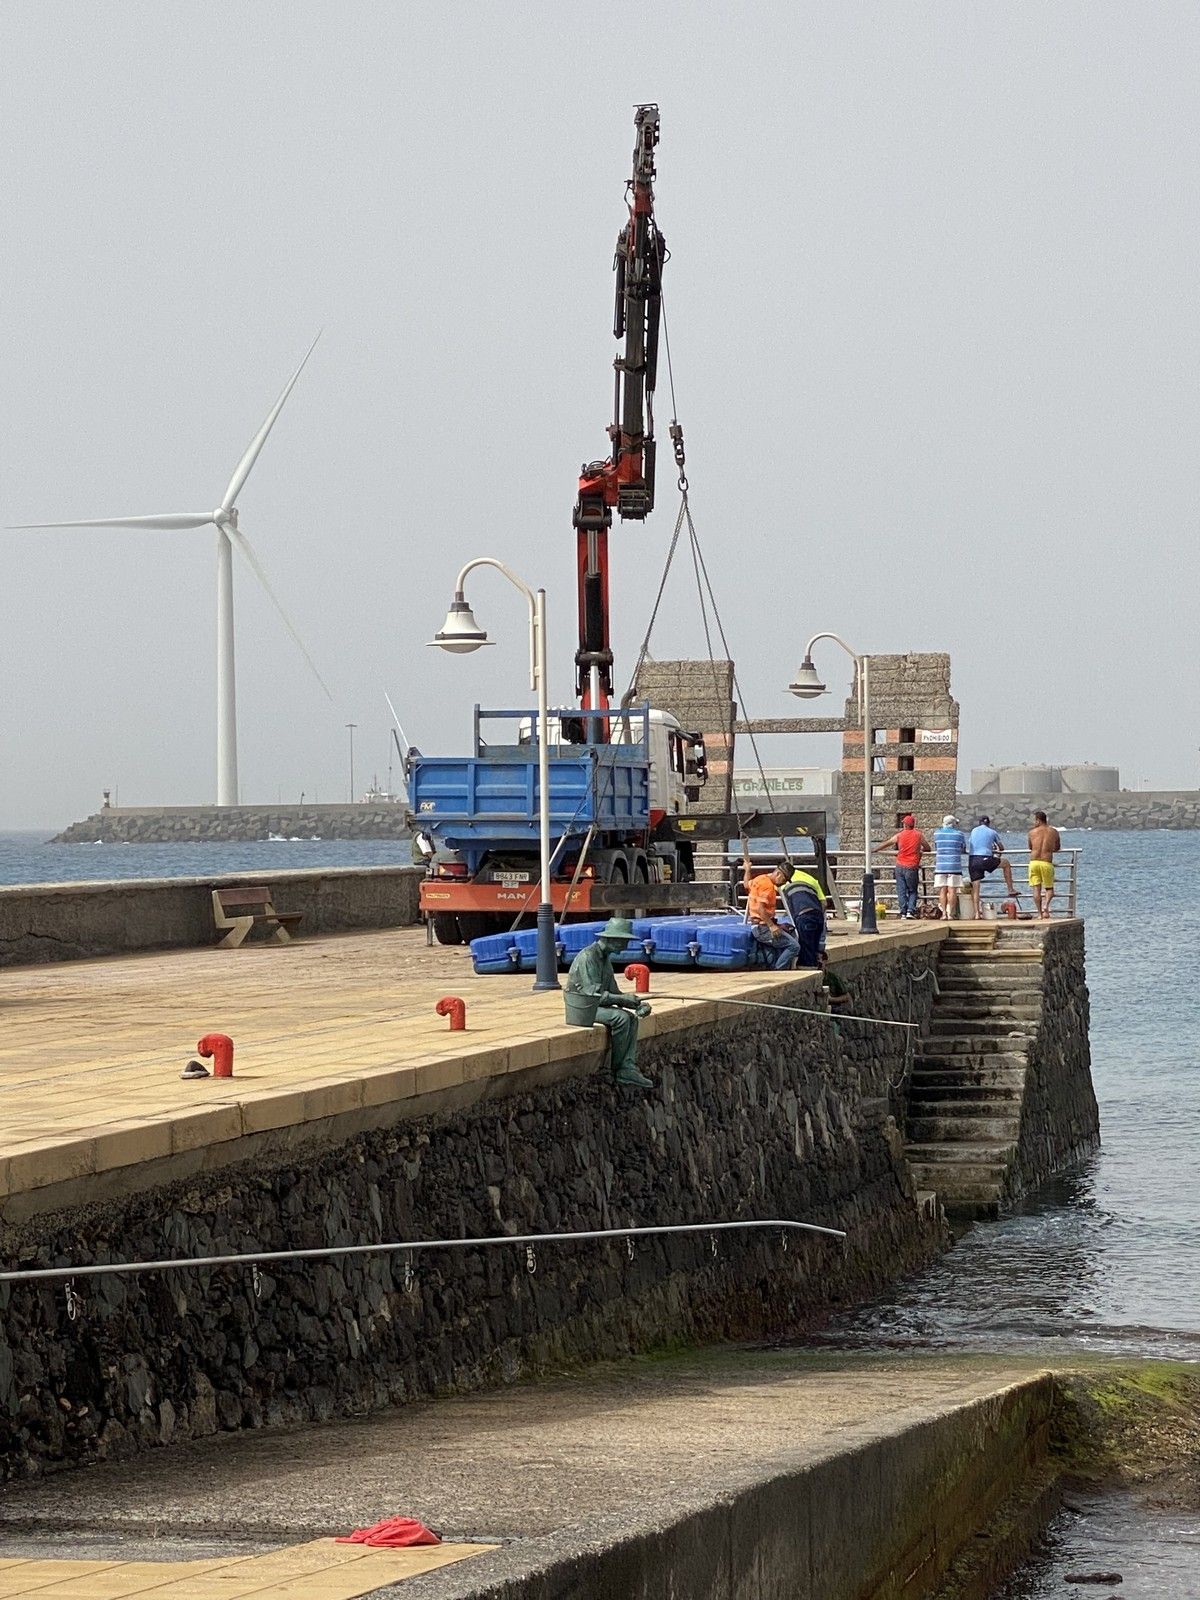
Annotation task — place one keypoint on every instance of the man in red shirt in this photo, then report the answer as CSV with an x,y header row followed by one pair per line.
x,y
909,845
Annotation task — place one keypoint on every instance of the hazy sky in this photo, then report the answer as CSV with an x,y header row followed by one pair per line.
x,y
933,304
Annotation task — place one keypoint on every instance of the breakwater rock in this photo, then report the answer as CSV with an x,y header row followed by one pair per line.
x,y
1126,809
201,824
754,1116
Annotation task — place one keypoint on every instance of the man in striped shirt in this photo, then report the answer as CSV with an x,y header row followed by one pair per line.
x,y
949,848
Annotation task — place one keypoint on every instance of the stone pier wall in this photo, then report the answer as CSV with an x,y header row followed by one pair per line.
x,y
752,1116
1060,1121
68,921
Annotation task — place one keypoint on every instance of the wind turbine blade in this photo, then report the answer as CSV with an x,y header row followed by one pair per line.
x,y
260,438
396,720
170,520
242,544
402,753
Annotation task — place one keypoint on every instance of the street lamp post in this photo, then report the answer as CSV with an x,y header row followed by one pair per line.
x,y
806,686
460,634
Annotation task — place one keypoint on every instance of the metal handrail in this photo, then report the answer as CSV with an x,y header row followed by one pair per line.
x,y
727,864
255,1258
993,890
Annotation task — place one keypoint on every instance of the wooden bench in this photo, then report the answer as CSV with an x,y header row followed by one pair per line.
x,y
249,905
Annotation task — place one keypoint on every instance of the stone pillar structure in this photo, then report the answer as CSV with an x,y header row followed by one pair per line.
x,y
700,695
915,747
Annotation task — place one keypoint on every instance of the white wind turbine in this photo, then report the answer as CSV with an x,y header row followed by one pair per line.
x,y
225,520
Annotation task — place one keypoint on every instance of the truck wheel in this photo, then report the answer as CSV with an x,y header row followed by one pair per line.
x,y
475,924
641,871
446,929
619,872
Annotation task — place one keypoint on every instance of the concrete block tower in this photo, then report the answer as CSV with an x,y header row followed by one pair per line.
x,y
700,695
915,748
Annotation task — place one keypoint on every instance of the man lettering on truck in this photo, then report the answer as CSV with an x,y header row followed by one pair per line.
x,y
1043,842
762,901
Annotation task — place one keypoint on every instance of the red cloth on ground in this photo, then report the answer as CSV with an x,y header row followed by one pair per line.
x,y
393,1533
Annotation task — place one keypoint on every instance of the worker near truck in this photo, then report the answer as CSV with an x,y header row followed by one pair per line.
x,y
592,975
806,900
762,903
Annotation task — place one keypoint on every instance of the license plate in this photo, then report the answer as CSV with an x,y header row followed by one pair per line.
x,y
510,880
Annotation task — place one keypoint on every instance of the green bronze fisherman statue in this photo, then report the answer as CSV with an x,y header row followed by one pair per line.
x,y
592,996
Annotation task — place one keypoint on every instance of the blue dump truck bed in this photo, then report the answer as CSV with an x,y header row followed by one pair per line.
x,y
493,799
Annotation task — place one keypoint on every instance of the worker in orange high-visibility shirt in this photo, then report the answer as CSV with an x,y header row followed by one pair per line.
x,y
762,903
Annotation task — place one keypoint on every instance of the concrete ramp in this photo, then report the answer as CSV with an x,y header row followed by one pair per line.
x,y
777,1475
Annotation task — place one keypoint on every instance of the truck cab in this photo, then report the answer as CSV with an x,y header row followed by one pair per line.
x,y
678,760
613,805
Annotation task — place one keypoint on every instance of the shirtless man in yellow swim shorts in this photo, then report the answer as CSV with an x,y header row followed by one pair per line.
x,y
1043,842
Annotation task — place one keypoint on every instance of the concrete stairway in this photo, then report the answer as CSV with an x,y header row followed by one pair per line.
x,y
968,1080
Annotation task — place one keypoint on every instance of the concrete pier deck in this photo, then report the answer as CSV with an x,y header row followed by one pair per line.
x,y
340,1026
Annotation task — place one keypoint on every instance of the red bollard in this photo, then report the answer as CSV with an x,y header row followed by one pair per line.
x,y
640,973
220,1047
454,1008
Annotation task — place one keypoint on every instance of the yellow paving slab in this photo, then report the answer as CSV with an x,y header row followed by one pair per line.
x,y
121,1580
321,1569
30,1577
91,1051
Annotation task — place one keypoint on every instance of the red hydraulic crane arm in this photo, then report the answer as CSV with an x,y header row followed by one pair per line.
x,y
626,479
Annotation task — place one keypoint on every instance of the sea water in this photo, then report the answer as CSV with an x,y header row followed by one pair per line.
x,y
30,858
1106,1258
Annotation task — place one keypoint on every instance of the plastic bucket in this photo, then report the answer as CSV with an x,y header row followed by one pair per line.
x,y
581,1008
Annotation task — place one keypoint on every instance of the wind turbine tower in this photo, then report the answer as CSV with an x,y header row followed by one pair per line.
x,y
229,537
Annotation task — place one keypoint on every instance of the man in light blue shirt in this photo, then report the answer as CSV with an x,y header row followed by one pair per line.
x,y
985,852
949,847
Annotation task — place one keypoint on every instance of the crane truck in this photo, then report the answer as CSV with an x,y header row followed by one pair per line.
x,y
621,781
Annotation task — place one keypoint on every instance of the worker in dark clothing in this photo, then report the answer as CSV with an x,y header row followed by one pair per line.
x,y
592,975
835,990
805,900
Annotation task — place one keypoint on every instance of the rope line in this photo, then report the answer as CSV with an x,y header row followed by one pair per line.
x,y
396,1247
800,1011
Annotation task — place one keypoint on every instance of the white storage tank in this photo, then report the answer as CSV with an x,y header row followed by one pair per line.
x,y
985,780
1091,778
1030,780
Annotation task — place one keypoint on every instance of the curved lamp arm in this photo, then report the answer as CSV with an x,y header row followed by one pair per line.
x,y
837,639
530,598
490,561
853,654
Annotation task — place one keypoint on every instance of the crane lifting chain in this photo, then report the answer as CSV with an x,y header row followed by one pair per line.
x,y
676,432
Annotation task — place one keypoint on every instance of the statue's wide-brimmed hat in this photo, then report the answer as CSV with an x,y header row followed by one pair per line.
x,y
617,928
